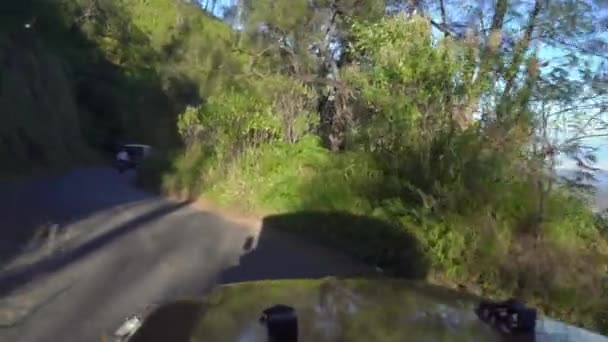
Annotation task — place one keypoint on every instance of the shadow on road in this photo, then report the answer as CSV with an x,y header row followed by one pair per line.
x,y
278,254
29,207
173,322
14,279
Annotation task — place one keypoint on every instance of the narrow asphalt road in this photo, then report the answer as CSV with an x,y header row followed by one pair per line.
x,y
115,249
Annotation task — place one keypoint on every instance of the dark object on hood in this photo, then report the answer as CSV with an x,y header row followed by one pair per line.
x,y
281,323
509,317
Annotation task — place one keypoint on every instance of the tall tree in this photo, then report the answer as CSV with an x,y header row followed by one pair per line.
x,y
309,38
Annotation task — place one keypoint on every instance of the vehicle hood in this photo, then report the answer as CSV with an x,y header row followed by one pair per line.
x,y
344,310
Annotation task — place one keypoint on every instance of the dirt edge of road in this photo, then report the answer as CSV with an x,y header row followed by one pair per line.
x,y
248,220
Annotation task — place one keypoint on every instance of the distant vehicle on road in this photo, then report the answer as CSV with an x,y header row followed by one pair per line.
x,y
129,156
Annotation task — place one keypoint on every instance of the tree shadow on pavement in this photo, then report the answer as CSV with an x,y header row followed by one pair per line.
x,y
29,208
13,279
108,101
279,254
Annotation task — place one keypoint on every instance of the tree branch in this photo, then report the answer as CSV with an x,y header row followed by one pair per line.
x,y
444,20
442,27
556,42
583,137
314,79
573,108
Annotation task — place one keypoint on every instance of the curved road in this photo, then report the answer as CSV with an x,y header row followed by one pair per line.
x,y
113,249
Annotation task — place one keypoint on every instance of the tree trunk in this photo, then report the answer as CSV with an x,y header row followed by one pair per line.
x,y
444,18
520,53
334,118
487,58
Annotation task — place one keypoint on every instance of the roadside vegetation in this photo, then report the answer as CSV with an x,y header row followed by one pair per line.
x,y
444,121
445,134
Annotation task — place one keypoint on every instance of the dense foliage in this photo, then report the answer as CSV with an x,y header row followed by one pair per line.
x,y
92,73
442,119
444,131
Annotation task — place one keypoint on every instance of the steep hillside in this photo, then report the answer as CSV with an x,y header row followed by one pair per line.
x,y
40,119
76,74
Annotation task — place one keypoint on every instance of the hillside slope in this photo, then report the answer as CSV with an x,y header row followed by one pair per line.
x,y
81,74
40,119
